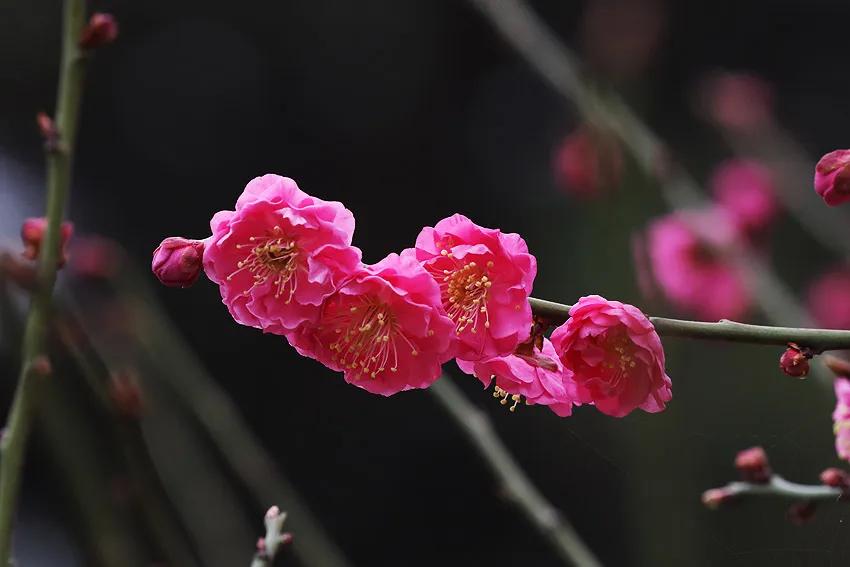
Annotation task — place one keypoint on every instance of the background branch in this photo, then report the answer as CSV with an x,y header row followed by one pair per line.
x,y
519,488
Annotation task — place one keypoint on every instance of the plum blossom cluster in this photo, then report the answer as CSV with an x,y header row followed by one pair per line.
x,y
691,253
285,264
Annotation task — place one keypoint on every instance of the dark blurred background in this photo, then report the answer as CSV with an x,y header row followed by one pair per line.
x,y
408,112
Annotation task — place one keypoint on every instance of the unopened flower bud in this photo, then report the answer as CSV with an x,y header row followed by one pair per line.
x,y
794,362
832,177
126,395
753,466
588,161
33,230
715,497
41,366
101,30
177,262
801,512
835,477
272,513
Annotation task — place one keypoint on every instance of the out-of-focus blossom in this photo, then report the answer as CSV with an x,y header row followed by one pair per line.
x,y
33,231
101,30
518,377
95,257
841,418
753,465
832,177
828,299
621,37
745,190
587,162
279,254
686,253
485,277
794,362
177,261
737,101
385,328
615,355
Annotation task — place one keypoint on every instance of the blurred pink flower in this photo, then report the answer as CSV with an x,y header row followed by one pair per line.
x,y
177,262
828,299
385,328
685,252
485,277
279,254
33,230
832,177
516,378
738,101
615,355
841,417
746,191
586,162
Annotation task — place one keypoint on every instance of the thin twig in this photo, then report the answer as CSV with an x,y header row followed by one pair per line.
x,y
59,157
275,538
779,487
724,330
519,488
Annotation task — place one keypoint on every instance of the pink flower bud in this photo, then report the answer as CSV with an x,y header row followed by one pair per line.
x,y
753,466
101,30
272,513
714,498
177,262
835,477
801,512
32,235
738,101
832,177
588,162
794,362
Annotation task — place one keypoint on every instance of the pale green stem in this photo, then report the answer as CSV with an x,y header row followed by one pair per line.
x,y
59,157
518,487
778,486
724,330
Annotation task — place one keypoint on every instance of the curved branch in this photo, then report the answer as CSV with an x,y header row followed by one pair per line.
x,y
724,330
779,487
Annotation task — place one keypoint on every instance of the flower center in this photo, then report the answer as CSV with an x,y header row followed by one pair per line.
x,y
619,359
273,256
368,338
464,288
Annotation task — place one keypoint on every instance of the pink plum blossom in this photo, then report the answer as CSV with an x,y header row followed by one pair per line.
x,y
615,355
745,190
385,328
841,417
832,177
485,277
177,262
686,257
828,299
279,254
517,377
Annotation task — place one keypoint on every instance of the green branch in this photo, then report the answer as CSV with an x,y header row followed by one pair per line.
x,y
59,157
723,330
